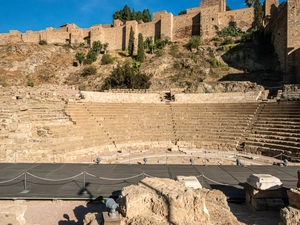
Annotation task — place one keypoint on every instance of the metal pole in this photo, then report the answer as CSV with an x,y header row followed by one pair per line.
x,y
84,180
166,157
129,157
53,157
25,182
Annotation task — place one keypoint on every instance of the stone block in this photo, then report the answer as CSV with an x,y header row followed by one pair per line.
x,y
111,221
294,197
255,193
259,204
12,214
175,148
289,216
275,204
190,181
264,182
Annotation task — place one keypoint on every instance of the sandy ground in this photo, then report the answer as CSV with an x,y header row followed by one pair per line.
x,y
72,212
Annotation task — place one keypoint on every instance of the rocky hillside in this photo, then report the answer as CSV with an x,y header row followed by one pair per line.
x,y
175,66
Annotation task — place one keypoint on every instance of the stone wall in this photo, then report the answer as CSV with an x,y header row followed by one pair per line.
x,y
270,7
238,16
121,97
277,28
293,33
186,25
218,97
198,21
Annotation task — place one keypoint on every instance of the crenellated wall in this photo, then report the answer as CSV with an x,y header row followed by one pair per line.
x,y
198,21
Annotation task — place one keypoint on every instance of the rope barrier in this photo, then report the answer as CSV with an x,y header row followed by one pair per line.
x,y
115,179
281,154
215,181
68,178
147,175
7,181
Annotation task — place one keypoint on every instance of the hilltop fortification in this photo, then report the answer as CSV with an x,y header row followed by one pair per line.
x,y
281,22
201,21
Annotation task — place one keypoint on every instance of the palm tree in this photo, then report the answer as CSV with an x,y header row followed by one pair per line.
x,y
249,3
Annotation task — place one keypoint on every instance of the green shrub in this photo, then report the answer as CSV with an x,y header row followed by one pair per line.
x,y
177,65
159,52
228,41
43,42
215,63
107,59
92,55
127,77
87,71
67,46
194,42
174,50
231,31
30,84
87,61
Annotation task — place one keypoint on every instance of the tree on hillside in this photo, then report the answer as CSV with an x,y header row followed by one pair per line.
x,y
141,52
131,42
182,12
258,15
228,8
146,16
126,14
90,57
97,47
126,77
80,56
249,3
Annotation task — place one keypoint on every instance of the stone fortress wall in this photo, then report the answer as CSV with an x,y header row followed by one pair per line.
x,y
281,22
198,21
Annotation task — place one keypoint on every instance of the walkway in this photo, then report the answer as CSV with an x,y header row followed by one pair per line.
x,y
90,181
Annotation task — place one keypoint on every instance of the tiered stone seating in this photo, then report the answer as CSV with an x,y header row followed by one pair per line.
x,y
276,129
212,126
131,124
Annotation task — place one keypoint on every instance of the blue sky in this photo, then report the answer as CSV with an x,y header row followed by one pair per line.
x,y
37,15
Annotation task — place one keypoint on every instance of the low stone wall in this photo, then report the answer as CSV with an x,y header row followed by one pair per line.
x,y
120,97
218,97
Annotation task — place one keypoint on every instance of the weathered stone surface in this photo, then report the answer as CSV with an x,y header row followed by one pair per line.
x,y
289,216
294,197
12,214
275,204
298,184
190,181
92,219
164,201
264,182
255,193
111,221
259,204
